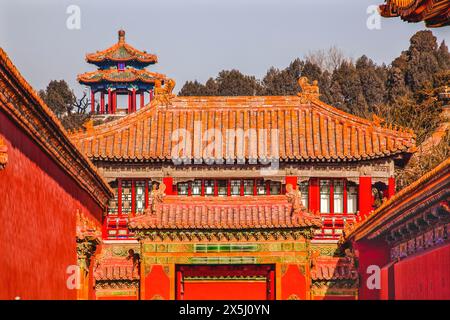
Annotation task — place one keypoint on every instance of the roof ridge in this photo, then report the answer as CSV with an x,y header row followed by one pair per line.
x,y
308,129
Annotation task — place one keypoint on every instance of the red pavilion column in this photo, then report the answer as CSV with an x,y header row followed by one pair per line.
x,y
133,198
391,187
102,101
114,102
292,180
314,195
142,99
146,193
129,102
365,195
92,101
134,100
168,181
109,102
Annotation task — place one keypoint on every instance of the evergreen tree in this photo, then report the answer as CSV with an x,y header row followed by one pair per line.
x,y
234,83
59,97
192,88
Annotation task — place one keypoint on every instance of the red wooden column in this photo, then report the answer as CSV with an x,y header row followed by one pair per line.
x,y
146,193
102,101
119,197
92,101
179,288
142,99
216,187
134,100
168,181
133,198
291,180
271,285
229,188
331,196
242,188
365,198
102,110
112,110
314,195
391,187
268,187
129,102
345,197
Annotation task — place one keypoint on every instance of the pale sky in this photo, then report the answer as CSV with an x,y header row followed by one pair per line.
x,y
194,39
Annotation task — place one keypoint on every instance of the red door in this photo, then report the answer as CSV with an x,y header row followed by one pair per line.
x,y
225,282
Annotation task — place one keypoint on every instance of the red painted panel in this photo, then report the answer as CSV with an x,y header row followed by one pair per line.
x,y
225,290
39,202
425,276
293,283
157,284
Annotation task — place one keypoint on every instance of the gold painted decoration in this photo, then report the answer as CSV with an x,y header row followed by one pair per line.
x,y
309,91
3,153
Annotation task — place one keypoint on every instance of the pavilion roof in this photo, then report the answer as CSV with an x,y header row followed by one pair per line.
x,y
304,131
115,76
224,213
435,13
121,52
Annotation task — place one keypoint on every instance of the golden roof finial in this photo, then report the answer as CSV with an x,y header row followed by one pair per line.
x,y
121,36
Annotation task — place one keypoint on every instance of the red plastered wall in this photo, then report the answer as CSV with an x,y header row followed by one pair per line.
x,y
370,253
425,276
38,205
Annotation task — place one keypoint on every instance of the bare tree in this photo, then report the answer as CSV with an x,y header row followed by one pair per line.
x,y
328,60
80,105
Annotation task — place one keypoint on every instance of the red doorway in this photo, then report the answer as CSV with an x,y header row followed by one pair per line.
x,y
225,282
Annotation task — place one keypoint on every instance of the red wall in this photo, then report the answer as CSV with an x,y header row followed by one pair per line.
x,y
370,253
425,276
38,205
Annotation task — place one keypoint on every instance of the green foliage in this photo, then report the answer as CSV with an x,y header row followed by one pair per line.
x,y
63,102
59,97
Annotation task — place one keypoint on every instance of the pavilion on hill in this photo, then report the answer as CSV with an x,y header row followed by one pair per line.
x,y
121,71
